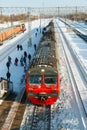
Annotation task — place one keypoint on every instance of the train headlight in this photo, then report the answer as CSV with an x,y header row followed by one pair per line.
x,y
42,70
39,86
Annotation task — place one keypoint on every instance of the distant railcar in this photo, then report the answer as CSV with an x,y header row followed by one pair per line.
x,y
42,77
11,31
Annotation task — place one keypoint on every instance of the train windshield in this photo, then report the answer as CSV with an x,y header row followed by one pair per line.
x,y
50,79
35,79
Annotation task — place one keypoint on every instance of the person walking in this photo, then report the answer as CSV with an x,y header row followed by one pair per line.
x,y
35,47
25,54
21,61
16,61
21,48
18,47
29,57
24,59
9,59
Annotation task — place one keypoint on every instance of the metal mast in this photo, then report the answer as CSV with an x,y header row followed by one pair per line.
x,y
29,28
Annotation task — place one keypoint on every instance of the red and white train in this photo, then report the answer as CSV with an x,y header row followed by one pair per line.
x,y
42,77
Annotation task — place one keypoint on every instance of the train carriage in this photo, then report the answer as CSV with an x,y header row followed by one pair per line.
x,y
11,31
42,78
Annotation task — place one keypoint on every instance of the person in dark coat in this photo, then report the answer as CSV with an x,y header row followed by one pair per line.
x,y
8,75
36,34
9,59
21,61
35,47
21,48
16,61
24,60
8,65
37,29
25,54
18,47
29,57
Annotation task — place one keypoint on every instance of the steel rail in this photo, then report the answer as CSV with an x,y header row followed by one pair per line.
x,y
69,61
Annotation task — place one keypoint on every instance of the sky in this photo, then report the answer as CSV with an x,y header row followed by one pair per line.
x,y
42,3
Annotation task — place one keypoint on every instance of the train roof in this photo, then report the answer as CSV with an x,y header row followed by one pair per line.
x,y
8,28
48,70
45,54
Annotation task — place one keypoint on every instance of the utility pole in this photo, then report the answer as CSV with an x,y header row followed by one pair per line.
x,y
40,21
29,28
1,42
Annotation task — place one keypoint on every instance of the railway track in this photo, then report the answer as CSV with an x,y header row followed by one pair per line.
x,y
75,79
38,119
31,120
19,114
13,111
5,108
80,30
42,115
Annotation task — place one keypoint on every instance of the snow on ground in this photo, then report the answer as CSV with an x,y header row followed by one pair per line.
x,y
79,48
65,116
77,44
17,72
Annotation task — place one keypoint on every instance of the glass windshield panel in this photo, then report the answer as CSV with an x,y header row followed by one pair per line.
x,y
50,79
35,79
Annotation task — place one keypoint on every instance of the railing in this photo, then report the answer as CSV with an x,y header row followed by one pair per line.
x,y
5,86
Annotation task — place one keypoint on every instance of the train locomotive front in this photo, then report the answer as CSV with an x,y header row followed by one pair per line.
x,y
42,77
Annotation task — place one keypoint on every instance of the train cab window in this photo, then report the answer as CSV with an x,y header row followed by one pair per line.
x,y
35,79
50,79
